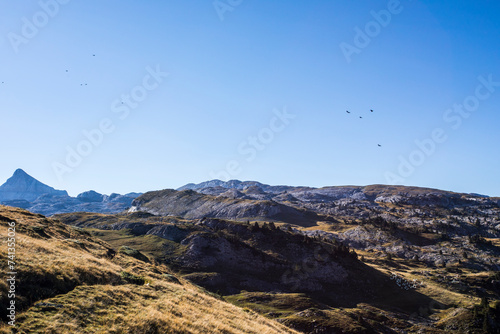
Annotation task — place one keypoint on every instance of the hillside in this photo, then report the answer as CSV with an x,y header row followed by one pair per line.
x,y
383,259
229,257
304,278
69,281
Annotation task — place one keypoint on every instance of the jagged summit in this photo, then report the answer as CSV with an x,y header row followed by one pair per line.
x,y
22,186
234,184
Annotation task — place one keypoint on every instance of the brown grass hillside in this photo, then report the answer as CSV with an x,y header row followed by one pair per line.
x,y
68,281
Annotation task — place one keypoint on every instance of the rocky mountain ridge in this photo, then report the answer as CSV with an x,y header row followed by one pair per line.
x,y
234,184
24,191
301,203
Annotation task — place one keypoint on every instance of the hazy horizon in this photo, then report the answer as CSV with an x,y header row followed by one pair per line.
x,y
293,185
130,97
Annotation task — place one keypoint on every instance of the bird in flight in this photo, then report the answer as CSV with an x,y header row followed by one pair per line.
x,y
379,145
371,110
347,111
360,117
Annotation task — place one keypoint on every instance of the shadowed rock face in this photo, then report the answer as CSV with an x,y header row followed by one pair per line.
x,y
263,260
21,186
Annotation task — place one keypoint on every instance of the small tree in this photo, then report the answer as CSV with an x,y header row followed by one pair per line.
x,y
484,304
486,324
353,254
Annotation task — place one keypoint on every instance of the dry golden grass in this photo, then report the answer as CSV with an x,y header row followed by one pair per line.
x,y
84,292
156,308
494,241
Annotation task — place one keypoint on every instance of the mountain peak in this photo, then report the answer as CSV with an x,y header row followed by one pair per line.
x,y
22,186
21,173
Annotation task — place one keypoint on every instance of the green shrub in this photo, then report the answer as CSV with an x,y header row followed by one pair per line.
x,y
133,253
133,279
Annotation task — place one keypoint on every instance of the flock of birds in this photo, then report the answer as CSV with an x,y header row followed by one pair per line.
x,y
371,110
67,71
82,84
347,111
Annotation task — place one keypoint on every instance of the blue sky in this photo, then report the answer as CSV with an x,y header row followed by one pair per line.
x,y
67,66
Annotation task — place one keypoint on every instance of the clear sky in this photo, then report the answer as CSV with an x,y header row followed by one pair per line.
x,y
256,90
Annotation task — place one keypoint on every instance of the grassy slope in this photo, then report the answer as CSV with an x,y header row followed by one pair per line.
x,y
69,281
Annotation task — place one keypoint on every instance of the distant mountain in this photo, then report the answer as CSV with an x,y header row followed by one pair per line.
x,y
24,191
22,186
234,184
